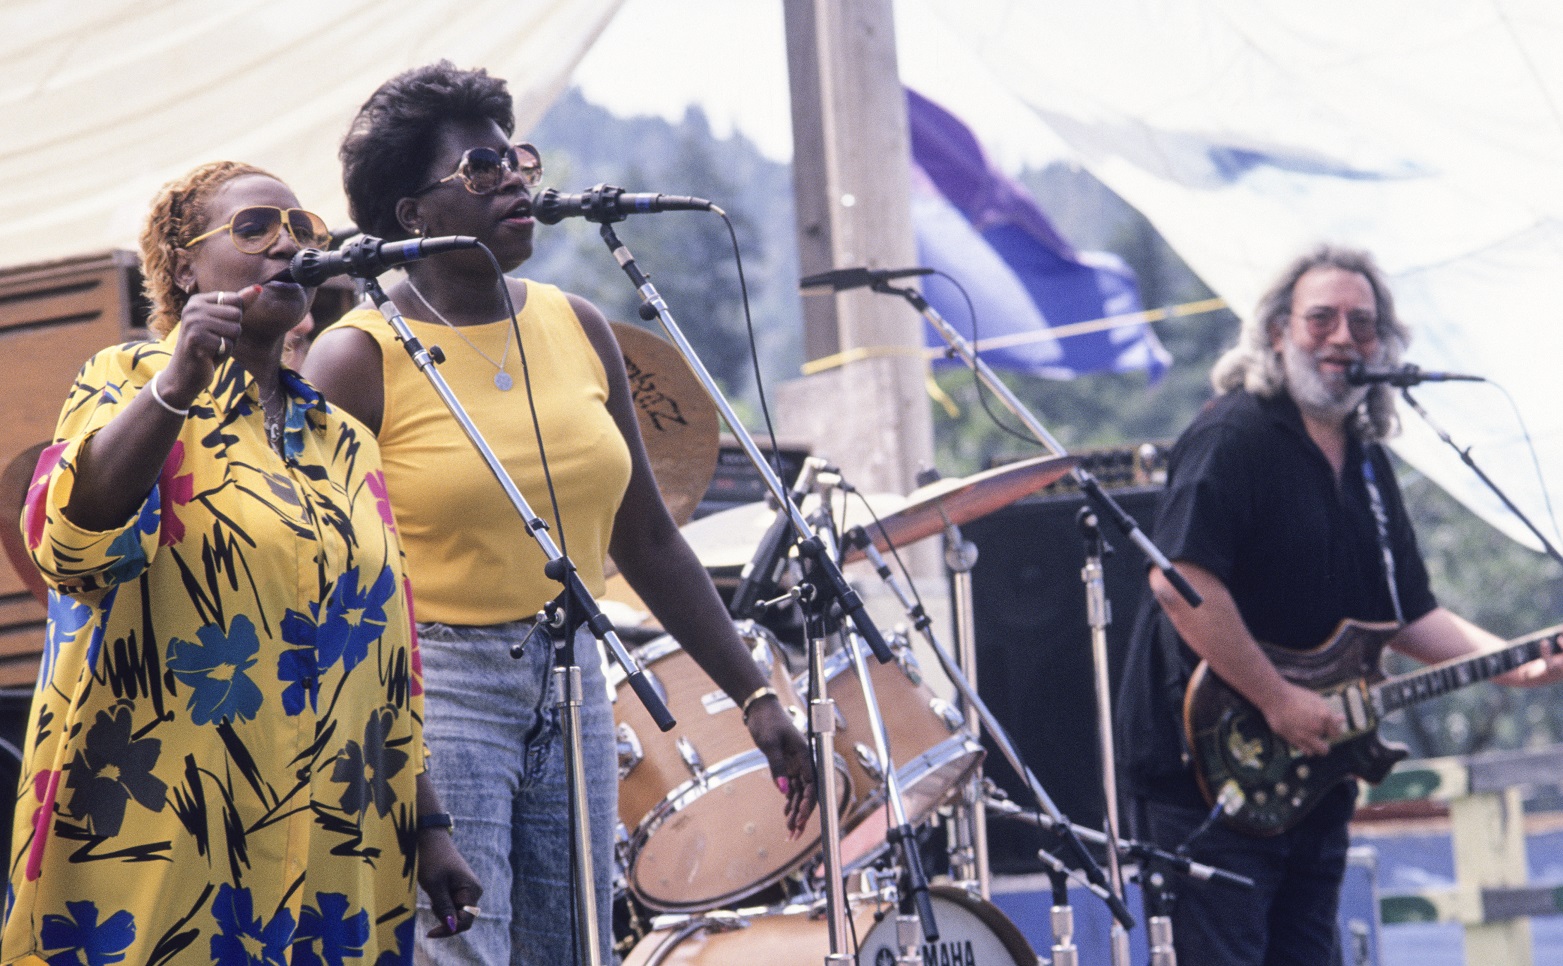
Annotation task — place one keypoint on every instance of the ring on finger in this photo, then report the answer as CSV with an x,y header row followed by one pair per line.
x,y
222,346
221,296
472,911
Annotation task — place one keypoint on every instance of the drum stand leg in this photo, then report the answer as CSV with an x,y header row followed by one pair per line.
x,y
822,731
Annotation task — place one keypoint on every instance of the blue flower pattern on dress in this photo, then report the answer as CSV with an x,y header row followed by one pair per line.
x,y
67,615
243,940
337,935
355,618
82,941
214,670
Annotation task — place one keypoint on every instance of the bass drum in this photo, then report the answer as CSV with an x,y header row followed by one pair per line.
x,y
970,931
704,818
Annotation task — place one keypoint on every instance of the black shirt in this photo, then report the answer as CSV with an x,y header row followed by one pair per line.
x,y
1252,499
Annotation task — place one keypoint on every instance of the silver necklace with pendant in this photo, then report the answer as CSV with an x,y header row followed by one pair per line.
x,y
275,423
502,378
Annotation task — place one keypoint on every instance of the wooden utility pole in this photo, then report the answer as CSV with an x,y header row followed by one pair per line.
x,y
851,158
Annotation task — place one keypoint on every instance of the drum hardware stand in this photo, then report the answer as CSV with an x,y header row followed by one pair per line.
x,y
1088,484
899,834
1069,835
1062,919
579,608
830,587
969,824
1099,614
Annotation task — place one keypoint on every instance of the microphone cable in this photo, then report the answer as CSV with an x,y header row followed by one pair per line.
x,y
976,351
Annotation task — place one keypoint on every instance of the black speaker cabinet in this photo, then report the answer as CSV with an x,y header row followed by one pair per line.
x,y
1034,666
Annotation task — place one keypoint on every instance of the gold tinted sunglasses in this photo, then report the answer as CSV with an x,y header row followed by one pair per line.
x,y
254,229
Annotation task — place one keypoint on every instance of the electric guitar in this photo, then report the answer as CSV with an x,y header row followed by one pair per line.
x,y
1264,786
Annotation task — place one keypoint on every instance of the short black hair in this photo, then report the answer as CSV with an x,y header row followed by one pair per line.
x,y
390,143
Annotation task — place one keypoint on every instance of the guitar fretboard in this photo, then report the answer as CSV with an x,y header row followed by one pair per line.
x,y
1408,689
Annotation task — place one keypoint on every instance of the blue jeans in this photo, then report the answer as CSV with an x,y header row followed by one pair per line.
x,y
1289,917
497,759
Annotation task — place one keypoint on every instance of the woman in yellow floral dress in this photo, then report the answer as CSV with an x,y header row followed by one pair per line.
x,y
224,760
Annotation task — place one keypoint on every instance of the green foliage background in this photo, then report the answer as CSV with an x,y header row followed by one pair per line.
x,y
1476,571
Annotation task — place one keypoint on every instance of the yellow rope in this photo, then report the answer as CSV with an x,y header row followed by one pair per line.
x,y
864,352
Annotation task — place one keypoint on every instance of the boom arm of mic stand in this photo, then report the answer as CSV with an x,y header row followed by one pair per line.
x,y
835,582
1087,482
1465,457
1068,834
558,566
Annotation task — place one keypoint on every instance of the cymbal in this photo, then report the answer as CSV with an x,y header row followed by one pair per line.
x,y
677,418
961,499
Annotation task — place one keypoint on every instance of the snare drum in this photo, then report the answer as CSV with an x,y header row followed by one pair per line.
x,y
706,820
970,931
928,739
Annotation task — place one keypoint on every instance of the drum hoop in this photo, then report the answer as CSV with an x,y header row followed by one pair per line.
x,y
658,648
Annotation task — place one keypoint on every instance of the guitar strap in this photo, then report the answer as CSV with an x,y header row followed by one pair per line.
x,y
1381,517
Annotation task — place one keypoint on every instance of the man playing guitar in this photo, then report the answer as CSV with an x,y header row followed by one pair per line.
x,y
1282,510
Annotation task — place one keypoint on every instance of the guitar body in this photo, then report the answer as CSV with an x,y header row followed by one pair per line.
x,y
1234,746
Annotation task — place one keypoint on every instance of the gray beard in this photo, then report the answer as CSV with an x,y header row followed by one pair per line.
x,y
1316,396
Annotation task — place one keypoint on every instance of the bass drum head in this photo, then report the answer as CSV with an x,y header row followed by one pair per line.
x,y
970,931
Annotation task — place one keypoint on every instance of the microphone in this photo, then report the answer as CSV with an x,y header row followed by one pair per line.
x,y
606,203
368,256
1358,374
842,279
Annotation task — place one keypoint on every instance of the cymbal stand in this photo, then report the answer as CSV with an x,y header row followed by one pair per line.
x,y
969,825
1089,485
899,834
1099,615
827,586
1069,835
1062,919
578,608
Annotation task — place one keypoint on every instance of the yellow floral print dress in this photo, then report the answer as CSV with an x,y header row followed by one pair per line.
x,y
221,756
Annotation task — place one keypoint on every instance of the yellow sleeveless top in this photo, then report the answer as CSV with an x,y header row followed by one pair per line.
x,y
468,554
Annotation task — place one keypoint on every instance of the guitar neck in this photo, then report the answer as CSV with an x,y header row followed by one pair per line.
x,y
1430,682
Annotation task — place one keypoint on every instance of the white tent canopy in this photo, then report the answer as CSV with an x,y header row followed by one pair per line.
x,y
105,101
1429,131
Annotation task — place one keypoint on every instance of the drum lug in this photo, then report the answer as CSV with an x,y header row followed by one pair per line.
x,y
692,759
870,761
946,712
630,751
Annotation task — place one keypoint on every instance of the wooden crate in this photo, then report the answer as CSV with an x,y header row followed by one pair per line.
x,y
52,317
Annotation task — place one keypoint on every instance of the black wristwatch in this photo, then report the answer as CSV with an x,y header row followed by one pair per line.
x,y
437,820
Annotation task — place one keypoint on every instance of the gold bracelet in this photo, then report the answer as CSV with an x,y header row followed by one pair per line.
x,y
766,691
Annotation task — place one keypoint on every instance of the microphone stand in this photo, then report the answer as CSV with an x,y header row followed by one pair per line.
x,y
1069,835
1087,483
827,586
1099,615
1465,457
578,608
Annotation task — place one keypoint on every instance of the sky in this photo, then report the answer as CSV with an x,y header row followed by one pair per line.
x,y
742,42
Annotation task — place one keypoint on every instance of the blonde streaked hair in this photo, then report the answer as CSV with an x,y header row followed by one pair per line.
x,y
1255,365
179,213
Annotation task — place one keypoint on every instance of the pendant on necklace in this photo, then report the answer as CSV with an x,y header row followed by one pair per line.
x,y
503,381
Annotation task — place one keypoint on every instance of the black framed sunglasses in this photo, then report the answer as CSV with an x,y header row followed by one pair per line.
x,y
254,229
482,170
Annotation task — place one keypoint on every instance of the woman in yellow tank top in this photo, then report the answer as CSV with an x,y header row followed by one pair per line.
x,y
430,153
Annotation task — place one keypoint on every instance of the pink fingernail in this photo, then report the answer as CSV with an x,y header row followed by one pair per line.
x,y
781,783
450,923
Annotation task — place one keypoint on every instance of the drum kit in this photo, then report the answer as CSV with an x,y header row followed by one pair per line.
x,y
706,872
700,835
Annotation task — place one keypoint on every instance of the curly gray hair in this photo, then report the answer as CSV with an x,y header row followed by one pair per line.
x,y
1255,365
